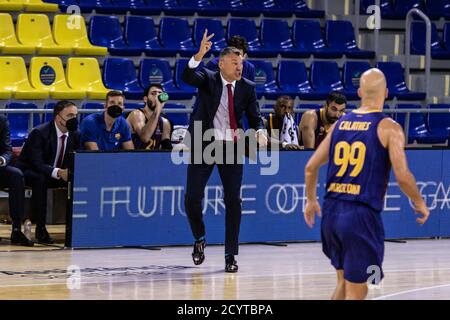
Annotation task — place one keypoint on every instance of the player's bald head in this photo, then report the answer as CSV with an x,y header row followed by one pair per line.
x,y
372,85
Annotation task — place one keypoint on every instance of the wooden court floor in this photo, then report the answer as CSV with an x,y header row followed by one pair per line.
x,y
418,269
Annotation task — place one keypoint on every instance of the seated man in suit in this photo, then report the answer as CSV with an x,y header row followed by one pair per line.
x,y
43,160
107,130
12,178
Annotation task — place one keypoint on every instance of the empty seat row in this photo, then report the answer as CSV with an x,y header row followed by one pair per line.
x,y
398,9
47,79
292,78
241,8
440,48
27,5
324,76
34,35
426,128
274,37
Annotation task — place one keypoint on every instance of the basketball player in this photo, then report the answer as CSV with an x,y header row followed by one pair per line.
x,y
315,124
361,146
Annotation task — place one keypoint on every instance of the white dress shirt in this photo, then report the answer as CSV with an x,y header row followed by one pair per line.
x,y
59,134
222,128
221,122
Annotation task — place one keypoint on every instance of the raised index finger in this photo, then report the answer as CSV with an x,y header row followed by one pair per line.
x,y
210,36
205,34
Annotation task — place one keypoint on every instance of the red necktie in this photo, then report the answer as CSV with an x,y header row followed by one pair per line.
x,y
61,152
233,123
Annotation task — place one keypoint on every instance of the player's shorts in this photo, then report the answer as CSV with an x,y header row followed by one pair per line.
x,y
353,239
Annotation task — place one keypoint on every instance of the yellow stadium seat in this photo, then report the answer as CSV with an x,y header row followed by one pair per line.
x,y
84,74
47,73
34,30
14,78
39,6
8,39
70,30
11,5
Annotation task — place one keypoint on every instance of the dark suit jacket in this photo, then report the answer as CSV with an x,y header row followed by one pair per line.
x,y
39,152
210,88
5,140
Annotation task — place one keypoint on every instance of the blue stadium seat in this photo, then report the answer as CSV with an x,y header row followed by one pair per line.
x,y
203,7
236,8
91,106
176,36
106,31
437,8
213,26
120,74
111,6
418,41
179,67
325,77
268,8
308,39
247,29
396,82
276,38
387,8
64,4
140,32
293,79
161,5
265,81
177,119
300,9
158,71
438,126
48,116
85,5
395,10
134,105
401,7
340,36
417,127
18,122
351,73
446,36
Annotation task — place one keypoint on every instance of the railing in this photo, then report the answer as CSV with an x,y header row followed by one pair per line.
x,y
188,111
409,19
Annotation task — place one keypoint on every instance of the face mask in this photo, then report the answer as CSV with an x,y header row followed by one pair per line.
x,y
114,111
72,124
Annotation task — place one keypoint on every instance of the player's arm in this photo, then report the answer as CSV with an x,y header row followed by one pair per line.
x,y
90,145
392,133
319,158
166,144
307,128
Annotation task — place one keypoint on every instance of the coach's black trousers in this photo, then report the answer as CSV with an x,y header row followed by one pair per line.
x,y
39,184
231,176
12,178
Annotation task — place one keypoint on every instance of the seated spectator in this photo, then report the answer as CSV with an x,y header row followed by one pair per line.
x,y
44,159
281,126
107,130
149,129
315,124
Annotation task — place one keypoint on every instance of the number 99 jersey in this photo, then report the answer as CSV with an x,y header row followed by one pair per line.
x,y
359,165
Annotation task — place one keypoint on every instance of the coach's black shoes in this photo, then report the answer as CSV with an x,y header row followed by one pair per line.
x,y
17,237
230,264
198,255
42,236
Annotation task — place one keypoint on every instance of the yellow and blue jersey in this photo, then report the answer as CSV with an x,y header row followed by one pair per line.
x,y
359,164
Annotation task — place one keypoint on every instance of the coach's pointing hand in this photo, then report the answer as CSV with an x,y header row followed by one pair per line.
x,y
205,46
